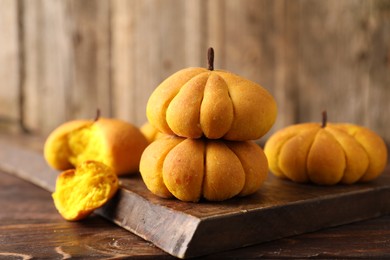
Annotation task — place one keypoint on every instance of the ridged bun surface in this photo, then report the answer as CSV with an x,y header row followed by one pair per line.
x,y
197,102
336,153
191,169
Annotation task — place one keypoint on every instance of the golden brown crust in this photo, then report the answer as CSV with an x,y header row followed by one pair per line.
x,y
217,112
357,162
225,175
276,142
194,168
294,153
344,153
114,142
161,97
216,104
254,163
326,159
183,112
375,148
150,132
183,170
255,109
151,165
126,144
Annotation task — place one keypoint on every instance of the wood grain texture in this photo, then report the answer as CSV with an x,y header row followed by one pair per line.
x,y
215,35
280,209
31,228
377,27
88,34
331,75
311,55
10,91
123,45
48,63
28,212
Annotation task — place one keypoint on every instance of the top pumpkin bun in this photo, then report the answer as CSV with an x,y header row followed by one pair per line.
x,y
196,102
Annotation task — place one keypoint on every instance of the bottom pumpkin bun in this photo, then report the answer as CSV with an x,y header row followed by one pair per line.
x,y
327,154
191,169
82,190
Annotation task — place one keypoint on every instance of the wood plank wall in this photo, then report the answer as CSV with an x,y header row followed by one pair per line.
x,y
62,59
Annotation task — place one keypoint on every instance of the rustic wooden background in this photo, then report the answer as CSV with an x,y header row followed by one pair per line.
x,y
62,59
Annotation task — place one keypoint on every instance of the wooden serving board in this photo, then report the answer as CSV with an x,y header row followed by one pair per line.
x,y
280,209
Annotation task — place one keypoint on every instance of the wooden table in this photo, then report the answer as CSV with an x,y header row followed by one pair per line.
x,y
30,227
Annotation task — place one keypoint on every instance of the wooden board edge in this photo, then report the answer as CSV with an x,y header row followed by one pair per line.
x,y
255,227
170,230
22,162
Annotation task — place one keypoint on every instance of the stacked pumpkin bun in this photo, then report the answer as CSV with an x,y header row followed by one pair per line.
x,y
207,120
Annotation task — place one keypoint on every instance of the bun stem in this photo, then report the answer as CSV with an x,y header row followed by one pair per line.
x,y
210,58
324,119
97,115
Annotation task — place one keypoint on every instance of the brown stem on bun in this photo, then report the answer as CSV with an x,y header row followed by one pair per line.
x,y
97,115
324,118
210,58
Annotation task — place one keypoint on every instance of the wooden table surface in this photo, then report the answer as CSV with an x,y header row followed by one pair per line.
x,y
31,228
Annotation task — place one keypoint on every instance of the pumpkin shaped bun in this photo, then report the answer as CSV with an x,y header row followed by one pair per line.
x,y
326,154
191,169
196,102
114,142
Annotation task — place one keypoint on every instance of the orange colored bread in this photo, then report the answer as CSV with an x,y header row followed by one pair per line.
x,y
215,104
150,132
114,142
82,190
191,169
335,153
